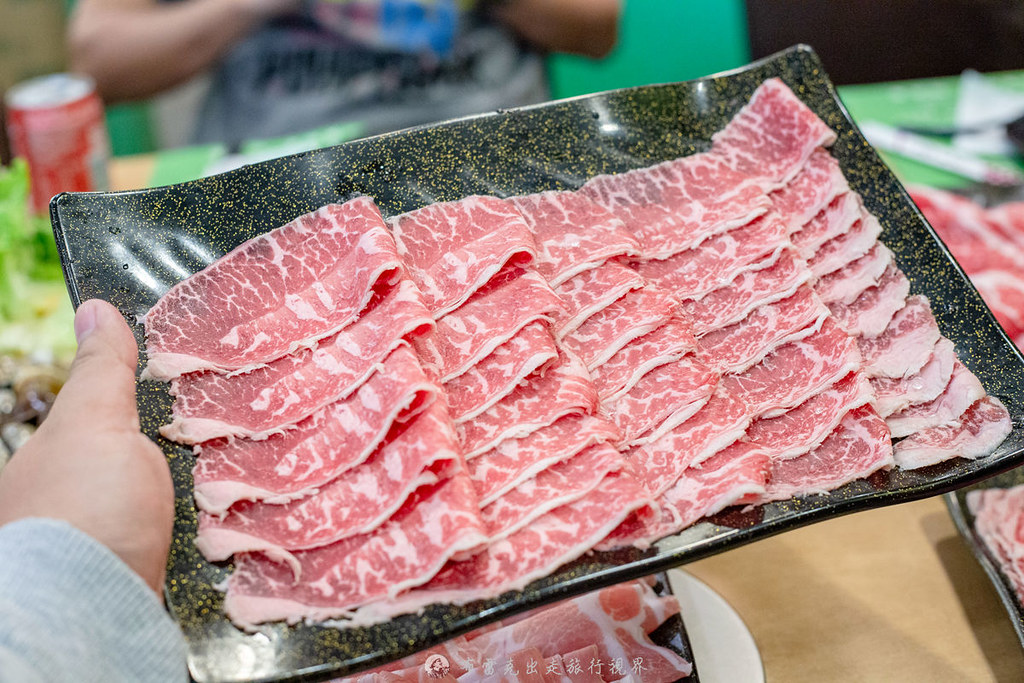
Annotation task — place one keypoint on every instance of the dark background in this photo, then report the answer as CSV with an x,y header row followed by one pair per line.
x,y
862,41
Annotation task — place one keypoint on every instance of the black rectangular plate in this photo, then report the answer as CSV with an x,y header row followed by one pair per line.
x,y
130,247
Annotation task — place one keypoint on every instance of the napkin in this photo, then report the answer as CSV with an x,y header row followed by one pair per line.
x,y
982,110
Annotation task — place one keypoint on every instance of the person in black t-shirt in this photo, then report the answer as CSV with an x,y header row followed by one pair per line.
x,y
284,66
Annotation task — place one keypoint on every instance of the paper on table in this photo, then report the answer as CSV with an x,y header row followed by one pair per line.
x,y
938,154
983,110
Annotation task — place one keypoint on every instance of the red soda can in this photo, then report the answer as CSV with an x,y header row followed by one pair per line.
x,y
56,124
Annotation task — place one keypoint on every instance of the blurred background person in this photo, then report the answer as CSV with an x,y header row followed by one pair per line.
x,y
286,66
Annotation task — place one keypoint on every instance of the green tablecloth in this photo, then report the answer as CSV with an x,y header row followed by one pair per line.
x,y
925,103
187,163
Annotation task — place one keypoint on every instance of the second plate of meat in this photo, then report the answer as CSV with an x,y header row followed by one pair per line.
x,y
633,629
988,516
418,383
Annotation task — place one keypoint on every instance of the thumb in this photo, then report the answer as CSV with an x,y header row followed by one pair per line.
x,y
100,390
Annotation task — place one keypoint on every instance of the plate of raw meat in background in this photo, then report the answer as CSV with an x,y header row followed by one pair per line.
x,y
605,634
981,541
131,247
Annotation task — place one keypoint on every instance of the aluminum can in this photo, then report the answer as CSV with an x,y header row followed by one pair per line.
x,y
56,124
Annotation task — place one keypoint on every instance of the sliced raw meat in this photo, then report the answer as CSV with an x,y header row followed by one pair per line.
x,y
1007,222
843,249
772,136
777,277
436,523
550,541
414,454
895,394
523,667
697,271
667,344
975,253
663,398
460,653
497,375
734,474
494,314
1003,291
795,371
557,485
583,665
675,205
835,219
573,233
625,646
562,388
585,294
662,608
609,625
804,427
978,433
997,522
451,249
736,347
966,228
843,286
961,392
319,448
554,669
513,461
859,446
640,311
415,674
988,243
270,398
871,312
569,668
658,465
979,238
273,294
818,183
907,343
577,666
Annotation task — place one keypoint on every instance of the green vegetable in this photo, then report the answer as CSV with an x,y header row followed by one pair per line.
x,y
35,312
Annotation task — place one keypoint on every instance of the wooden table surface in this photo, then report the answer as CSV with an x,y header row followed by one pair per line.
x,y
891,594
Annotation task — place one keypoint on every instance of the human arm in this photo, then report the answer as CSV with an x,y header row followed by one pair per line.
x,y
72,611
585,27
88,505
137,48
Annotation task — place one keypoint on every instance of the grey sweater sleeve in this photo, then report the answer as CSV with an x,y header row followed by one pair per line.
x,y
71,610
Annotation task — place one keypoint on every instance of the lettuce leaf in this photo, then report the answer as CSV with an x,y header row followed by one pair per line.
x,y
35,311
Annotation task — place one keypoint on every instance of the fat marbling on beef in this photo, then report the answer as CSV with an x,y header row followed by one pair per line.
x,y
609,628
451,249
274,293
296,461
274,396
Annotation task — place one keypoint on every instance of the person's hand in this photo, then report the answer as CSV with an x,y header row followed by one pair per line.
x,y
88,464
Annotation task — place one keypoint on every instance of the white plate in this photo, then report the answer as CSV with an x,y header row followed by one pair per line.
x,y
723,648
